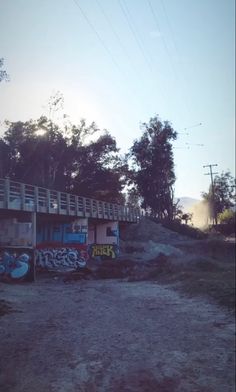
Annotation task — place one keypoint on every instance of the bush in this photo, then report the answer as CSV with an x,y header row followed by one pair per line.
x,y
227,217
226,222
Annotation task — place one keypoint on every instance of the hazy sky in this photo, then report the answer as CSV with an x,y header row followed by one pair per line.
x,y
120,62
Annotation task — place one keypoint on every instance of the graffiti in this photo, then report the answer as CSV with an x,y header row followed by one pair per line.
x,y
14,267
107,251
60,258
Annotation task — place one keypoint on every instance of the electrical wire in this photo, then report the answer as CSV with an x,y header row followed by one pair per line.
x,y
125,52
134,33
191,126
102,42
98,36
173,68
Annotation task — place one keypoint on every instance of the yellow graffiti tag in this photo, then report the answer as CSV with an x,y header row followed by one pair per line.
x,y
103,250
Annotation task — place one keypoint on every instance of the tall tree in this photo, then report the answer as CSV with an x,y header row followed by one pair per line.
x,y
153,174
97,168
38,153
85,162
223,196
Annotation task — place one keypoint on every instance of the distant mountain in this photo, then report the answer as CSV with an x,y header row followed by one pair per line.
x,y
187,202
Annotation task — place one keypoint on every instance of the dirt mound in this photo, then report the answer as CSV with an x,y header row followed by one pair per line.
x,y
146,240
144,251
147,230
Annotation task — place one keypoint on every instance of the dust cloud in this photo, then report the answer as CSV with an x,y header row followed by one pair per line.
x,y
200,215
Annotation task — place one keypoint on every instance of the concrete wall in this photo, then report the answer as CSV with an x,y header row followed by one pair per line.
x,y
16,233
103,233
62,246
75,232
58,245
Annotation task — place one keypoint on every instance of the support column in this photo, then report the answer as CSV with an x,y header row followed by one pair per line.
x,y
34,242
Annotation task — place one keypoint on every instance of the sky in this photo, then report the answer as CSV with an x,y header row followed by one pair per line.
x,y
121,62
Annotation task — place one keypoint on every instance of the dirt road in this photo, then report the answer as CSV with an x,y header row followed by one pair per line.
x,y
113,336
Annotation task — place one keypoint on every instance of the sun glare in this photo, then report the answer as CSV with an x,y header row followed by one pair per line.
x,y
40,132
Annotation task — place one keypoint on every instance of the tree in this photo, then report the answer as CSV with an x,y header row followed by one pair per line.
x,y
224,194
153,167
186,217
37,152
3,73
40,153
97,168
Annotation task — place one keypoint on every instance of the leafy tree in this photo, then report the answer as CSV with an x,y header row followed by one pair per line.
x,y
153,167
37,152
97,168
3,73
224,194
5,161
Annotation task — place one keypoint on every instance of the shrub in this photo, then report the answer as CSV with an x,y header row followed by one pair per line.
x,y
227,217
226,222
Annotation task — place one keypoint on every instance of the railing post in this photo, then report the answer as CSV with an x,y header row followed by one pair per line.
x,y
84,206
113,211
97,207
7,192
76,206
48,200
34,242
36,198
103,209
68,203
22,196
58,202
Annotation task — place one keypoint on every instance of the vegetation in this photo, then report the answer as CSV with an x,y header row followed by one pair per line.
x,y
226,221
83,160
221,196
227,217
153,174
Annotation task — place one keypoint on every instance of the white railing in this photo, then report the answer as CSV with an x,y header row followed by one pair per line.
x,y
18,196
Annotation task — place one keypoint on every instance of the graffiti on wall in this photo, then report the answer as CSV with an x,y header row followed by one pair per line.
x,y
106,251
60,258
13,266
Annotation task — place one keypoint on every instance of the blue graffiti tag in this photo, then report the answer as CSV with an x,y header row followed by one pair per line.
x,y
14,266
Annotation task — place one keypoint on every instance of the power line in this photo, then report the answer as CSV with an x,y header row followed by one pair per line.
x,y
97,35
166,49
148,62
191,126
132,92
195,144
134,33
170,27
185,148
159,30
114,32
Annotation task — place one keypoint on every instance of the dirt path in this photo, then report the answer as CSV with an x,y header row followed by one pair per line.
x,y
113,336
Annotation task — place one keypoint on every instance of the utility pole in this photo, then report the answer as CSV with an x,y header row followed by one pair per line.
x,y
213,190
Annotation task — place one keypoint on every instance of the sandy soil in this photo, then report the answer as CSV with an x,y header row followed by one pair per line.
x,y
113,336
